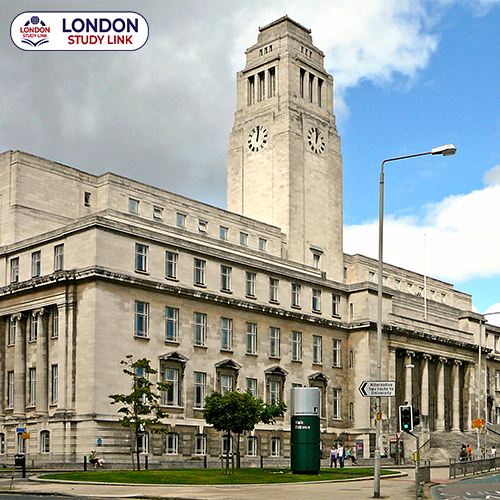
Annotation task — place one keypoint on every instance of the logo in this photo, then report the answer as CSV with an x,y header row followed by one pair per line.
x,y
79,31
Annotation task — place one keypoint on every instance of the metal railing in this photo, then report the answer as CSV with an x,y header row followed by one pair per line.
x,y
472,467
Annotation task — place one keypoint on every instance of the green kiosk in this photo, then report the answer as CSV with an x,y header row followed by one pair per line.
x,y
305,447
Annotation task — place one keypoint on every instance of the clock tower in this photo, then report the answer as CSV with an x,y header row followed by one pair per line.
x,y
284,162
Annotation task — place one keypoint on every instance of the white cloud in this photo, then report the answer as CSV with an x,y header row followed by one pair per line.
x,y
462,236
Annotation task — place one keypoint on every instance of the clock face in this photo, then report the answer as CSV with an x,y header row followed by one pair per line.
x,y
257,138
316,140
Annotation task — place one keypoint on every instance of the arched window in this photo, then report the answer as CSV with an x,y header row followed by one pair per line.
x,y
2,443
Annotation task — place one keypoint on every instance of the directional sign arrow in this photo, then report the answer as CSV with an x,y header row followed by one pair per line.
x,y
378,388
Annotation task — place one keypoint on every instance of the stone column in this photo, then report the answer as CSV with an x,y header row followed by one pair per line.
x,y
424,405
42,357
440,395
456,396
20,366
408,377
470,373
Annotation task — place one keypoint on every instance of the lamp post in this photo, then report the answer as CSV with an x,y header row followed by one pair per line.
x,y
446,150
398,378
482,326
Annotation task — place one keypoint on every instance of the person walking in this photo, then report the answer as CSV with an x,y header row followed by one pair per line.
x,y
341,455
493,451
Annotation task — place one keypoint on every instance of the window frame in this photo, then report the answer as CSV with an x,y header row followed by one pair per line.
x,y
251,338
226,339
296,346
59,257
141,257
31,396
225,278
336,403
200,329
14,270
172,443
171,397
316,300
317,349
171,259
141,319
274,284
274,342
250,281
54,384
335,305
200,266
44,442
296,290
171,324
200,390
336,353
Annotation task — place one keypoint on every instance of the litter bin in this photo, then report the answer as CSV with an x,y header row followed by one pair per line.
x,y
20,464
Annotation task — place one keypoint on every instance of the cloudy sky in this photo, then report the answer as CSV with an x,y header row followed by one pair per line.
x,y
409,75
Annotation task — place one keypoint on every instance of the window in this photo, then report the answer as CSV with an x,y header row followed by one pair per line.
x,y
497,380
409,287
55,323
171,264
58,257
497,343
141,320
86,198
336,403
172,393
273,289
351,359
251,338
11,339
262,244
226,384
223,233
36,264
171,324
10,389
251,90
143,443
33,327
157,213
371,276
351,411
317,349
252,386
2,443
31,386
202,226
172,443
200,389
225,278
141,257
272,82
497,415
316,260
21,443
251,446
227,445
54,384
200,329
335,305
133,206
199,272
14,270
320,89
316,300
275,447
337,358
200,444
250,284
301,82
243,239
296,346
226,327
262,86
45,442
295,295
397,284
274,342
181,220
274,392
311,87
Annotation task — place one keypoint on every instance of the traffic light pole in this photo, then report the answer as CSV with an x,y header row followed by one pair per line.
x,y
417,464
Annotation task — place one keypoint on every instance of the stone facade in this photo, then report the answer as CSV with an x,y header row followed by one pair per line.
x,y
259,297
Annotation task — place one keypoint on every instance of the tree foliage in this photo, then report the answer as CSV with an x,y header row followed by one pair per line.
x,y
141,410
236,412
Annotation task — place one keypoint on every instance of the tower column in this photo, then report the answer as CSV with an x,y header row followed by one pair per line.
x,y
456,396
20,366
42,362
409,377
424,405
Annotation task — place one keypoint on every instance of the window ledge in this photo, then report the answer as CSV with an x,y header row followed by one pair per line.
x,y
171,278
200,346
226,291
274,302
253,297
230,351
141,337
200,285
295,307
172,342
336,366
140,271
296,361
251,354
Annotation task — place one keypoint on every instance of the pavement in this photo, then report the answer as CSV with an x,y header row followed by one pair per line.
x,y
401,488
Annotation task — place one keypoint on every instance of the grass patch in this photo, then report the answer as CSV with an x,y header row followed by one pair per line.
x,y
210,476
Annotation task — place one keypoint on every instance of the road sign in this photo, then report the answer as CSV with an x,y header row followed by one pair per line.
x,y
21,429
376,388
399,434
478,422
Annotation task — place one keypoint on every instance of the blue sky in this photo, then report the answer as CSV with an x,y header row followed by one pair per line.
x,y
409,76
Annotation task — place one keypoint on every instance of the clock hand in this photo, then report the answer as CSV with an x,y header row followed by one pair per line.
x,y
258,129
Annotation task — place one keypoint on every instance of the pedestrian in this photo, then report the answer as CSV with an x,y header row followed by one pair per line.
x,y
341,455
463,455
493,452
333,456
469,451
352,455
94,460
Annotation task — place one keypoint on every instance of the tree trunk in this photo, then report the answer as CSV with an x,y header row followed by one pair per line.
x,y
228,451
238,462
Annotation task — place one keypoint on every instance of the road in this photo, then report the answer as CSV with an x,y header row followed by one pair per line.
x,y
484,487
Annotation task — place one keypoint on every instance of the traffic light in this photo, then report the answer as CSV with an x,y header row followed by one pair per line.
x,y
416,417
406,418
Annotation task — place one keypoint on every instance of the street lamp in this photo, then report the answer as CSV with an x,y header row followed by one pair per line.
x,y
482,325
447,150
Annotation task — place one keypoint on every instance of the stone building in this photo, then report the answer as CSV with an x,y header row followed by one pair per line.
x,y
258,297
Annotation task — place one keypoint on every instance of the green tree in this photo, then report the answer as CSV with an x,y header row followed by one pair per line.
x,y
236,412
141,411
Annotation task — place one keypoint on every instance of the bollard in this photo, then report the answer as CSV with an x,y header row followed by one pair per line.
x,y
261,462
85,463
146,462
204,461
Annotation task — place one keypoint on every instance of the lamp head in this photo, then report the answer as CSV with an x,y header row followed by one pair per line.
x,y
447,150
